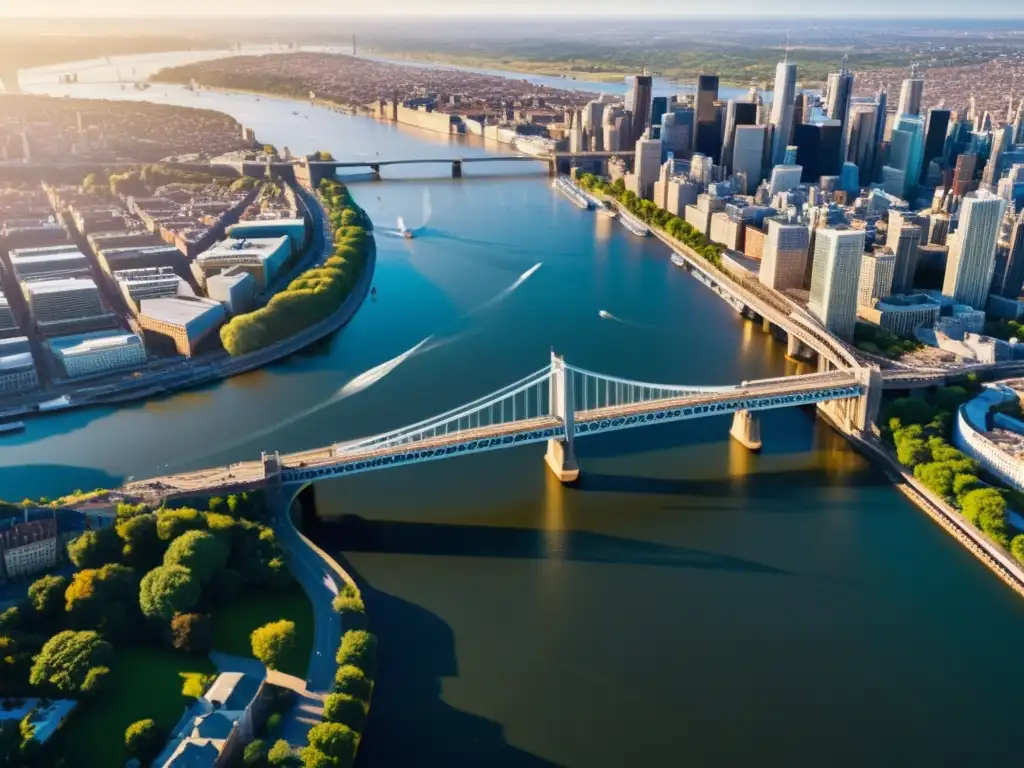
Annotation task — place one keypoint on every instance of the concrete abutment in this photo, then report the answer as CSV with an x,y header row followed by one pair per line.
x,y
561,454
746,430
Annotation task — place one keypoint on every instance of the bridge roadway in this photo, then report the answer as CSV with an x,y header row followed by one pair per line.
x,y
545,158
251,473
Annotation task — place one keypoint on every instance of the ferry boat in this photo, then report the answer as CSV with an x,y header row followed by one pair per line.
x,y
11,426
633,224
570,190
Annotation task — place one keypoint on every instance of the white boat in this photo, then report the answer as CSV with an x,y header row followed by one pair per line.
x,y
571,191
634,225
57,404
403,230
678,260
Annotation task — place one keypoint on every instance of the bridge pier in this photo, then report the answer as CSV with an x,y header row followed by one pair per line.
x,y
746,430
456,169
376,171
766,325
561,454
552,167
793,347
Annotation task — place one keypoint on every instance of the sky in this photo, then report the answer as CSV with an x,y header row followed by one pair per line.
x,y
903,8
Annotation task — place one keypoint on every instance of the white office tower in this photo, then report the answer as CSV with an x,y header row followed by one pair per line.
x,y
611,132
784,255
700,170
972,249
782,110
785,178
906,151
876,272
747,155
835,279
593,116
910,94
647,165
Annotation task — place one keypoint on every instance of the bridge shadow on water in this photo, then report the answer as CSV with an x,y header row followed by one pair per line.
x,y
410,725
356,534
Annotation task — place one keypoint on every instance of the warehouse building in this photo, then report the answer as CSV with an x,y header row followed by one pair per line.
x,y
261,257
88,354
49,263
261,229
233,288
186,320
63,300
150,283
141,257
17,369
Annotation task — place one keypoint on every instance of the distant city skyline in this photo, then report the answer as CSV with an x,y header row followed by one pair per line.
x,y
677,8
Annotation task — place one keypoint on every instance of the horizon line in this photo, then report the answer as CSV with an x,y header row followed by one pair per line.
x,y
486,13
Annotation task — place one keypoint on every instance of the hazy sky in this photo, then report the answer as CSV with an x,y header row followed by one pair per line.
x,y
921,9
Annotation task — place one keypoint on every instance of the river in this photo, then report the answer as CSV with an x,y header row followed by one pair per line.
x,y
689,603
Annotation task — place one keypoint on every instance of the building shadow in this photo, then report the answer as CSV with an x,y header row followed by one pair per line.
x,y
410,725
357,534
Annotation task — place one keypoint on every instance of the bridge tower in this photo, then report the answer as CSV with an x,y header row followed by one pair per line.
x,y
855,415
561,454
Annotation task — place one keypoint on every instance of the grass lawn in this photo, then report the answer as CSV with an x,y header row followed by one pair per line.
x,y
234,623
144,682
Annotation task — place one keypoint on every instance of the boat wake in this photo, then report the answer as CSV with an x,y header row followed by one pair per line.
x,y
604,314
368,378
504,294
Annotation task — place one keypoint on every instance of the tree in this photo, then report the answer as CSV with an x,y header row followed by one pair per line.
x,y
359,648
334,740
171,523
910,410
66,658
143,741
963,484
103,599
985,506
217,504
1017,547
128,511
282,755
255,754
95,548
142,545
46,596
201,552
937,477
912,451
345,709
271,641
95,681
312,757
192,633
167,590
352,680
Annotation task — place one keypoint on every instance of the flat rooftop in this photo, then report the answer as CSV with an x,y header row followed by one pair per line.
x,y
43,250
88,343
178,310
16,362
260,247
61,286
69,257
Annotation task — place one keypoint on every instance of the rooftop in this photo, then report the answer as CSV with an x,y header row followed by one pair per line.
x,y
88,343
260,247
61,286
43,250
16,362
178,310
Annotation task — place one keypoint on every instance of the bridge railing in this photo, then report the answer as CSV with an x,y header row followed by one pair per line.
x,y
597,390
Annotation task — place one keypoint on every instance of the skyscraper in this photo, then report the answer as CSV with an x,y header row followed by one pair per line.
x,y
784,258
818,149
993,167
737,113
647,165
782,109
659,106
835,279
875,281
935,132
910,94
1013,277
862,138
840,91
593,115
706,129
908,150
972,249
904,241
748,155
638,102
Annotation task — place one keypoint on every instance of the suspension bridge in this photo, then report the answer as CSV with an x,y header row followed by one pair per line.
x,y
556,404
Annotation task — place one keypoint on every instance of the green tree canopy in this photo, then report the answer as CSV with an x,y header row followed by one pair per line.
x,y
352,680
95,548
143,740
271,641
282,755
66,658
1017,547
171,523
201,552
167,590
346,709
192,633
335,740
142,545
255,754
103,599
359,648
46,596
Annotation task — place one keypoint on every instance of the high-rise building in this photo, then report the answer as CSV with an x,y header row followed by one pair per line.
x,y
706,129
593,118
905,244
818,149
737,113
907,150
972,249
647,165
782,109
861,141
748,155
910,94
638,103
837,107
1013,277
876,273
785,178
993,167
784,255
935,130
835,279
659,108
